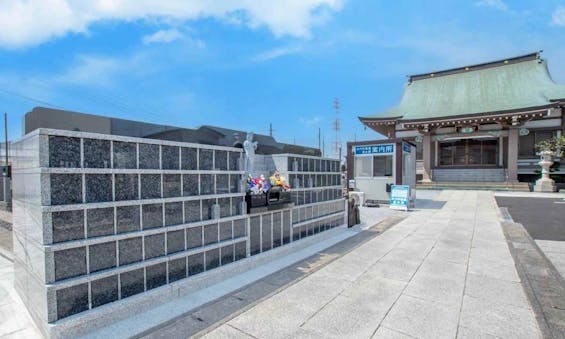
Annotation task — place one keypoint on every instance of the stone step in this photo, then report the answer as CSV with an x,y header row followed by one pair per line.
x,y
484,186
470,175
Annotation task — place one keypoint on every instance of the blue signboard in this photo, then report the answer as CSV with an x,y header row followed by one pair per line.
x,y
406,147
374,149
400,197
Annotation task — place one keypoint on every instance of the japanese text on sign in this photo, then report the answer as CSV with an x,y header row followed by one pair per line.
x,y
399,197
374,149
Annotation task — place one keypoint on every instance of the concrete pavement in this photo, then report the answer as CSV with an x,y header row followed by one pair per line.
x,y
15,322
440,273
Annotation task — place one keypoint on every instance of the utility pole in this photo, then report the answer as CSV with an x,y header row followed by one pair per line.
x,y
320,139
271,129
6,134
337,128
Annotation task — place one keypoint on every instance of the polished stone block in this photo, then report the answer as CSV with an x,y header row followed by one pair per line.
x,y
207,208
66,189
177,269
287,224
190,185
98,187
206,159
68,225
150,186
266,230
210,234
154,245
225,207
235,183
225,230
303,232
170,157
156,275
206,184
131,250
221,160
189,158
195,264
100,221
102,256
234,161
127,218
64,152
96,153
125,155
277,229
222,184
226,254
175,241
295,233
194,237
173,213
132,282
307,197
104,290
192,211
152,216
126,187
70,263
255,235
149,156
239,228
171,185
212,259
72,300
240,250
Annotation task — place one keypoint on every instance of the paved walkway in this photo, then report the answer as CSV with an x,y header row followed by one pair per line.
x,y
440,273
15,322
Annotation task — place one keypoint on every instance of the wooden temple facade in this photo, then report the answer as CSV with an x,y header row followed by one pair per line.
x,y
479,122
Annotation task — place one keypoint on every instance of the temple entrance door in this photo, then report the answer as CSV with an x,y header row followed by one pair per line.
x,y
469,152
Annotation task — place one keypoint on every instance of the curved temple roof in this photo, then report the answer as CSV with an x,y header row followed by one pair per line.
x,y
506,85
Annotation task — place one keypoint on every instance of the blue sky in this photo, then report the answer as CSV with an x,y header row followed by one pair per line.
x,y
244,64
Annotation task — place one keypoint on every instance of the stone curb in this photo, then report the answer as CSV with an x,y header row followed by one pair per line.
x,y
542,283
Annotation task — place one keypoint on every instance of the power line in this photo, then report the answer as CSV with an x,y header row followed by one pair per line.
x,y
26,97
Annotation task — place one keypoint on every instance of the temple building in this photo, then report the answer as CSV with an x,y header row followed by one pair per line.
x,y
480,122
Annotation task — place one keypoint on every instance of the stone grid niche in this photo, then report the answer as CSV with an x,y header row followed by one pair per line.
x,y
103,218
99,219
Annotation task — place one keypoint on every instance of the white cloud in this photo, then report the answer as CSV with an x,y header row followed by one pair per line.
x,y
162,36
31,22
275,53
558,17
496,4
312,121
93,70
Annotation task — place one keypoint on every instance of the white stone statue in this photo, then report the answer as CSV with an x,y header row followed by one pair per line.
x,y
249,146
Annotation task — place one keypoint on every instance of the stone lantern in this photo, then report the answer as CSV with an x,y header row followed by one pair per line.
x,y
545,183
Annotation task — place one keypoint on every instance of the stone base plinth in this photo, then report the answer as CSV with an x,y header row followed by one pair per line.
x,y
545,186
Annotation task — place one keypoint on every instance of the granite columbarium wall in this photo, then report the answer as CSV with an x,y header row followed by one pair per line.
x,y
105,223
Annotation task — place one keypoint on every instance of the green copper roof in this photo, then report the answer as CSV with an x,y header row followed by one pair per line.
x,y
494,87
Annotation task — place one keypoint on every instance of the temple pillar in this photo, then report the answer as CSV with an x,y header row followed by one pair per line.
x,y
512,170
427,155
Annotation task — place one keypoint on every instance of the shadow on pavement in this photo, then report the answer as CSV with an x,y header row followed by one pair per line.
x,y
428,204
